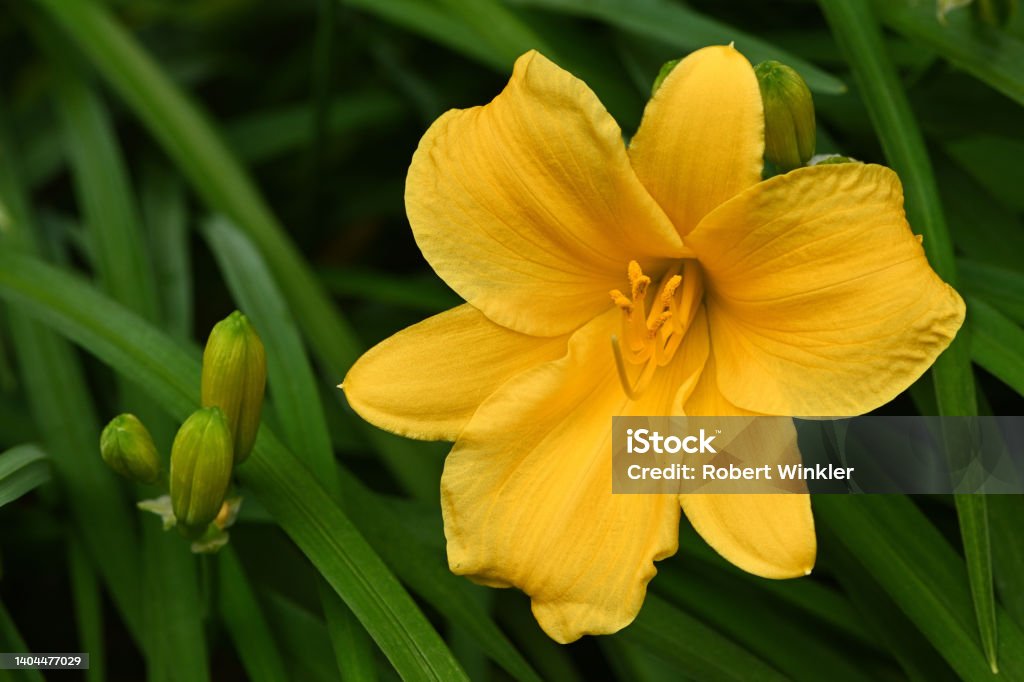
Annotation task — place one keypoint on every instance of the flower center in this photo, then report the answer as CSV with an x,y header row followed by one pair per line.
x,y
649,340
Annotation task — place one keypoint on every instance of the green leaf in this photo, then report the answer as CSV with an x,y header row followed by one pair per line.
x,y
551,659
165,209
191,141
893,630
281,483
983,228
175,644
427,19
858,33
999,287
11,641
22,469
997,343
687,29
922,573
102,186
500,28
816,601
245,621
972,512
263,135
303,638
88,603
774,631
66,419
1006,512
692,646
630,662
994,161
422,294
353,650
985,52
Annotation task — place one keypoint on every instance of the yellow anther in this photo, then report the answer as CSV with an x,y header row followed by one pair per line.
x,y
620,300
638,281
669,291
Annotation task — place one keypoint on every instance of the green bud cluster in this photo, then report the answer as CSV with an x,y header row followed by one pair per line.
x,y
789,132
210,442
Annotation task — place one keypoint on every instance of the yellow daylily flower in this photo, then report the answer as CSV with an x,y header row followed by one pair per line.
x,y
805,294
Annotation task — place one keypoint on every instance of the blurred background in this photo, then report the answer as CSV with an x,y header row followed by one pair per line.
x,y
181,159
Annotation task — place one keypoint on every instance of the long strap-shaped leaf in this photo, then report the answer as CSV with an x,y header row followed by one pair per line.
x,y
22,468
175,647
997,344
191,141
281,482
901,549
67,420
987,53
216,176
858,33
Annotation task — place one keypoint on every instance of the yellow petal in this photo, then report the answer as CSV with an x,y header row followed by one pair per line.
x,y
820,299
527,492
768,535
701,140
528,207
427,381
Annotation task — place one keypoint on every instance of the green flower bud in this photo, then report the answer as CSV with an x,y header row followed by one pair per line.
x,y
788,115
128,449
663,73
234,378
201,462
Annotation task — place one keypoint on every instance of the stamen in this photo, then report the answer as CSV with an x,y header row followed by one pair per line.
x,y
653,329
650,341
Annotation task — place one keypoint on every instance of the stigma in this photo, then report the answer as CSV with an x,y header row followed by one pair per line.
x,y
650,337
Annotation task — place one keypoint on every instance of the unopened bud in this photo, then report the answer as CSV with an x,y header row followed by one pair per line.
x,y
201,462
663,73
788,115
128,449
234,378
